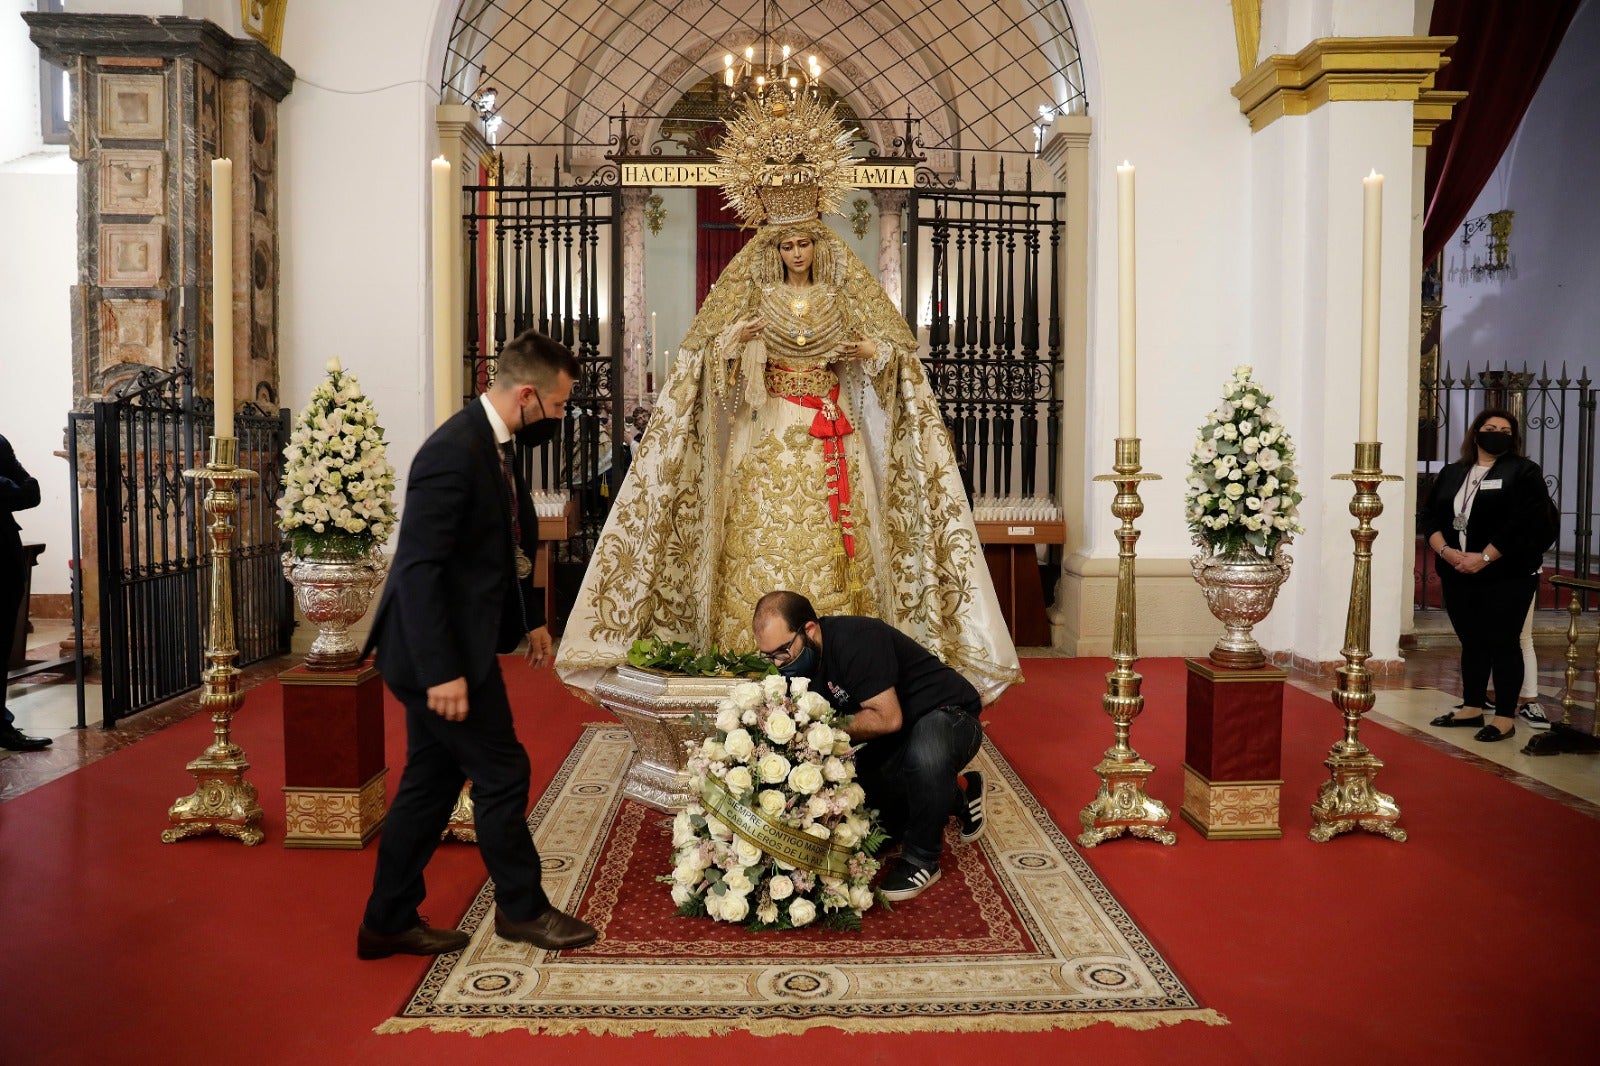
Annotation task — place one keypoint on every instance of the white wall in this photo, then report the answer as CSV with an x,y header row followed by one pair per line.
x,y
38,215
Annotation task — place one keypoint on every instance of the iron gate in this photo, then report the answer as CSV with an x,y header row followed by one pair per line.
x,y
994,334
549,257
151,553
1557,416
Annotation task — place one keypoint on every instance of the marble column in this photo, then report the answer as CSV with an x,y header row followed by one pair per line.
x,y
891,244
637,357
154,100
462,143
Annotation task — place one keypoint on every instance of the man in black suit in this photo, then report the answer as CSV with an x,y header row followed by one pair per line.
x,y
460,590
18,492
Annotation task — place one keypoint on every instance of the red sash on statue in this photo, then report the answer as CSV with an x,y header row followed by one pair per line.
x,y
830,426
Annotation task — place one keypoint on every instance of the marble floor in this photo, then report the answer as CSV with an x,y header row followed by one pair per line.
x,y
47,706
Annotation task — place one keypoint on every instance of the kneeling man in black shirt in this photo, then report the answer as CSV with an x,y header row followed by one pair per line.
x,y
917,717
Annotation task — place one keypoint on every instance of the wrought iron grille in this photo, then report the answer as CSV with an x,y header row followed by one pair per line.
x,y
982,73
549,257
994,327
1557,416
151,550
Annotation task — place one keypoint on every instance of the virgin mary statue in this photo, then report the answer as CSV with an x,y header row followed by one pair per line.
x,y
795,445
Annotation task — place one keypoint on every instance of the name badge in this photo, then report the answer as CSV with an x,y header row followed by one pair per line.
x,y
1490,484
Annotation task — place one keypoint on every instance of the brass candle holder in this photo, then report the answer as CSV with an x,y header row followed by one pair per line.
x,y
223,801
1349,799
1121,805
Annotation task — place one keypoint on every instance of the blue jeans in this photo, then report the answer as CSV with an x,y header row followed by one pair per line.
x,y
912,779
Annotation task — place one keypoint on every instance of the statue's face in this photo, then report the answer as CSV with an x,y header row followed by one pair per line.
x,y
797,253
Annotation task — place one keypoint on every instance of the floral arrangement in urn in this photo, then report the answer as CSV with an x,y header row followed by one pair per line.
x,y
337,511
1243,505
777,837
1243,487
338,494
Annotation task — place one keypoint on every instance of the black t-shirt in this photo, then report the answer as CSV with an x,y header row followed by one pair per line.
x,y
863,657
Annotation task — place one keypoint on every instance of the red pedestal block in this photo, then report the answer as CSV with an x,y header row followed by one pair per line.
x,y
1232,764
332,756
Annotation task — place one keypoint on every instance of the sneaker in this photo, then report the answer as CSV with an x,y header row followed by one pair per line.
x,y
972,817
1532,712
906,880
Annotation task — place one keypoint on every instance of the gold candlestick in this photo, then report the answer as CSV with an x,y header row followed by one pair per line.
x,y
1121,805
223,801
1349,799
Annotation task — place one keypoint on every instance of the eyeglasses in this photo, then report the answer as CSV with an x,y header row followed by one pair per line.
x,y
783,654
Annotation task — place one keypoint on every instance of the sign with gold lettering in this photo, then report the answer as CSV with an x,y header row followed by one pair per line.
x,y
776,839
868,175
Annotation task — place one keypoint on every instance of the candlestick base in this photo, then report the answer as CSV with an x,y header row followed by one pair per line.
x,y
1121,806
1350,800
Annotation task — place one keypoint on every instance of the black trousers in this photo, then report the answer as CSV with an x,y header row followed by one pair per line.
x,y
11,571
440,756
912,779
1487,617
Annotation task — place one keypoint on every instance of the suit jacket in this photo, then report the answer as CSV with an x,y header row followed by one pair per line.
x,y
18,491
1508,510
451,603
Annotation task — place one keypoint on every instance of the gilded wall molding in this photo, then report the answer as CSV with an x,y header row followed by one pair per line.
x,y
1337,69
1247,32
263,20
1432,110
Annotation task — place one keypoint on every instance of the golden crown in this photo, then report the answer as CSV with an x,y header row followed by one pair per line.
x,y
785,161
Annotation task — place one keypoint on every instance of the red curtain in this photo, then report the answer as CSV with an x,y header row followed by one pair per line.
x,y
1505,47
719,237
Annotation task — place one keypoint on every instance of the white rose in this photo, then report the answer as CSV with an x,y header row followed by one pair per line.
x,y
820,737
779,726
746,853
773,768
802,912
738,781
727,716
747,695
696,859
1269,459
815,706
735,907
850,796
682,894
833,767
682,830
780,888
798,686
771,801
774,687
717,830
739,745
712,749
1234,490
818,830
686,874
861,897
737,881
845,836
806,778
816,806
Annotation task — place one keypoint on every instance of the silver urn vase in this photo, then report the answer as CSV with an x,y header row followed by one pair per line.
x,y
333,594
1240,586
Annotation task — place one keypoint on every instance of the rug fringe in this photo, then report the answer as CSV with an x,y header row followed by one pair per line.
x,y
1024,1023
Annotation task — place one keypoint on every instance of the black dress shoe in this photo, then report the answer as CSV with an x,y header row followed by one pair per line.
x,y
420,939
1489,734
1451,719
13,740
552,930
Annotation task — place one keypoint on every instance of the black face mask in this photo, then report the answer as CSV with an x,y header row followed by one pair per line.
x,y
533,434
1494,441
804,664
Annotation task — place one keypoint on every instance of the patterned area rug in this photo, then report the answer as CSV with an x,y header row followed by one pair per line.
x,y
1018,935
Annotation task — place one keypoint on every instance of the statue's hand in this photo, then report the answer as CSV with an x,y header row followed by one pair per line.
x,y
857,350
750,329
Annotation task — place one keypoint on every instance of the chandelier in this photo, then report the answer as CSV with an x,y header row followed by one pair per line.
x,y
1498,262
769,72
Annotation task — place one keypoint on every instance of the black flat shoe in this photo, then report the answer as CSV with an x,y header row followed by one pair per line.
x,y
1489,734
1451,719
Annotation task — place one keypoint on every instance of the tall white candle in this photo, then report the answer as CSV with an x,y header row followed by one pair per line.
x,y
1127,318
445,397
222,294
1371,292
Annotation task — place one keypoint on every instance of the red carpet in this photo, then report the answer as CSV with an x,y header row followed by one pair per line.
x,y
1472,942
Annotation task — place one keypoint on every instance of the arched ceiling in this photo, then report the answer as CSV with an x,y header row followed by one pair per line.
x,y
975,72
